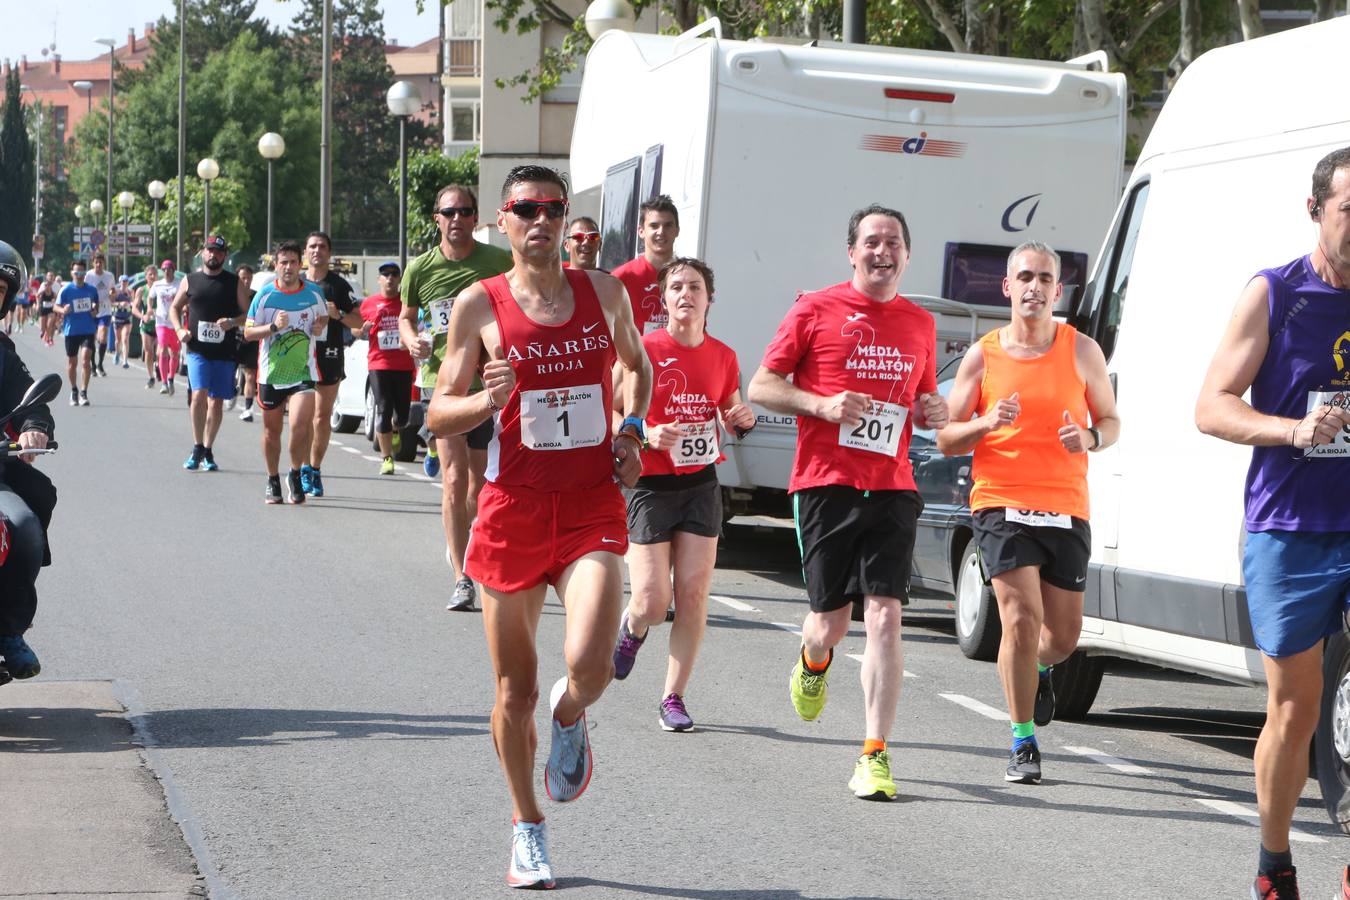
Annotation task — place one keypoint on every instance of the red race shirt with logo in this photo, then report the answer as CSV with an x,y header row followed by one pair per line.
x,y
689,385
554,431
641,280
837,340
386,348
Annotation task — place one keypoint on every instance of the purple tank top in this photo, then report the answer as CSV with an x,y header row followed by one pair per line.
x,y
1308,359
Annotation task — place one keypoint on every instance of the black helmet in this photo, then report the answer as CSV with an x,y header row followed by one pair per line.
x,y
14,273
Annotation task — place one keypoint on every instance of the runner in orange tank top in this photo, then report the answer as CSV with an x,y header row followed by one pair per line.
x,y
1031,399
551,512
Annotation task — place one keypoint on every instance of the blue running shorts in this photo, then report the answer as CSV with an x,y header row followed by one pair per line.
x,y
1298,587
215,376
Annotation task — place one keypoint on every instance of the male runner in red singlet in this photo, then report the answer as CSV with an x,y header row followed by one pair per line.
x,y
551,512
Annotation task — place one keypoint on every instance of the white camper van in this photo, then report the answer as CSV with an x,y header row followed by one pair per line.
x,y
767,149
1218,193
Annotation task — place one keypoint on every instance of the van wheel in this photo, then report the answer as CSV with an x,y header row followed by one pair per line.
x,y
978,629
1076,682
344,424
1332,742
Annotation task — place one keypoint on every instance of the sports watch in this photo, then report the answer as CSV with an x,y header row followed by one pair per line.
x,y
638,431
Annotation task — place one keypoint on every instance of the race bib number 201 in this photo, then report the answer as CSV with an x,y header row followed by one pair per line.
x,y
1340,447
562,418
878,431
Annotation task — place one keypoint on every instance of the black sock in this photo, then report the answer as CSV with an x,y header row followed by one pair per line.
x,y
102,352
1270,862
248,403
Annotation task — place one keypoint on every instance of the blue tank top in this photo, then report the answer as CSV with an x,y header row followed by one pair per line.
x,y
1307,363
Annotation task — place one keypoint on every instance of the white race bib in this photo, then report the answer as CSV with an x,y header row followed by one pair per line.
x,y
388,340
82,305
1340,447
656,324
698,447
562,418
438,315
209,332
1038,519
878,432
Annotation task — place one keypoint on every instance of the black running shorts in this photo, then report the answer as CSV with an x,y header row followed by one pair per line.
x,y
1060,553
855,543
331,369
75,341
655,515
480,435
270,398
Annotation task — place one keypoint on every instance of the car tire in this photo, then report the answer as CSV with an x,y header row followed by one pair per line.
x,y
1076,682
978,628
1332,742
344,424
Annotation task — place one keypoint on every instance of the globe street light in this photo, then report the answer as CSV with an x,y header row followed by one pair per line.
x,y
126,200
207,170
86,88
403,100
156,189
271,146
112,94
96,209
607,15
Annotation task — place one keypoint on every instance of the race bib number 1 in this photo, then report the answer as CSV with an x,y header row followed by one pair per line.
x,y
562,418
1340,447
878,432
1038,519
698,447
210,332
438,312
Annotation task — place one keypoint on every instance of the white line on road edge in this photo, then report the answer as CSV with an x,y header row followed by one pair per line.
x,y
733,603
788,627
371,458
974,705
352,450
859,658
1250,816
1110,762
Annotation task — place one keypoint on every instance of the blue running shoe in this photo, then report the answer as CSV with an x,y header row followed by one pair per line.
x,y
530,866
20,660
209,462
431,465
315,483
194,460
305,471
569,758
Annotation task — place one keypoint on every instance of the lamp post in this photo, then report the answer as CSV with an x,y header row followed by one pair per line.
x,y
96,210
609,15
156,189
37,164
207,170
126,200
182,125
325,123
112,95
403,100
86,88
271,146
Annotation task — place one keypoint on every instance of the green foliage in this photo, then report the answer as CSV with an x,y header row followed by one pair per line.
x,y
428,172
17,176
229,202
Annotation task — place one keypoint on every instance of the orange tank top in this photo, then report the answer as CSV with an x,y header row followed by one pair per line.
x,y
1023,465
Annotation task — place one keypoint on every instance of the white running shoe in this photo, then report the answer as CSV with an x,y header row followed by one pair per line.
x,y
246,415
569,758
530,866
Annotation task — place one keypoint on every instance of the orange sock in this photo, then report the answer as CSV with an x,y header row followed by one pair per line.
x,y
872,745
816,668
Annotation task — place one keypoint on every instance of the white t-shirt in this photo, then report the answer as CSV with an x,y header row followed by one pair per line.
x,y
164,292
105,283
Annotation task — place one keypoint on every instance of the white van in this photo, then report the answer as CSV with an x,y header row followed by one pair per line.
x,y
767,149
1218,193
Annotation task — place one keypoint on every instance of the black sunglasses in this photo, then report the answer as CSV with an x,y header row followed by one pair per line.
x,y
449,212
529,209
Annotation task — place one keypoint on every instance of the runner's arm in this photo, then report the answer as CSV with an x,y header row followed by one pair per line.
x,y
1101,398
962,432
637,380
772,390
452,409
735,414
178,305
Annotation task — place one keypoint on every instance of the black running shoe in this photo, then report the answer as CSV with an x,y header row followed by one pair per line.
x,y
1044,710
273,495
1276,885
1024,764
295,492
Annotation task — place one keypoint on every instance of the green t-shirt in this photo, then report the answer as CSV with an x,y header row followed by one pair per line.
x,y
432,283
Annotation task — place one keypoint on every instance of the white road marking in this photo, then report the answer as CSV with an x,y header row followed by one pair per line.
x,y
1250,816
735,604
789,627
371,458
859,658
352,450
976,706
336,443
1110,762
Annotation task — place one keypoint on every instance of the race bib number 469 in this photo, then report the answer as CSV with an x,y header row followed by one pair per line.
x,y
878,431
210,332
562,418
1340,447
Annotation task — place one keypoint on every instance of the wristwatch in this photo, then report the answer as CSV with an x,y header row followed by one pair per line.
x,y
1096,438
272,326
638,431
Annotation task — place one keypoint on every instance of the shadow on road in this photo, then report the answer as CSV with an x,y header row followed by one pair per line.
x,y
189,728
60,730
706,893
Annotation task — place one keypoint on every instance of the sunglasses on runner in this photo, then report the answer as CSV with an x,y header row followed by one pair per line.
x,y
529,209
450,212
585,237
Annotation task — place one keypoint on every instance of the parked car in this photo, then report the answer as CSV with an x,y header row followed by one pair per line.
x,y
354,409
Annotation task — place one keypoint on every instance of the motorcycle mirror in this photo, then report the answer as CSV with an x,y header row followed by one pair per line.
x,y
44,390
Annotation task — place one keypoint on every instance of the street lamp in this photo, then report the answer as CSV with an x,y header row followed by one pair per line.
x,y
37,164
126,200
271,146
207,170
86,88
609,15
156,189
96,209
112,95
403,100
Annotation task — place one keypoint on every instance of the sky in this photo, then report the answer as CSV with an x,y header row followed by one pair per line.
x,y
77,23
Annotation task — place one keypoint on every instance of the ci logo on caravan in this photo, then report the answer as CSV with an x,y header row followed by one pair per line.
x,y
922,145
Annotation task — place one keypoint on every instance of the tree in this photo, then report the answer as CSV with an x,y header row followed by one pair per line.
x,y
430,170
17,175
229,204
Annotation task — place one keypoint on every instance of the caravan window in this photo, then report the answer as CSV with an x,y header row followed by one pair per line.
x,y
618,214
973,273
1103,309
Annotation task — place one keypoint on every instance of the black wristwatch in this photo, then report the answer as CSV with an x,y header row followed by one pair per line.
x,y
1096,438
272,326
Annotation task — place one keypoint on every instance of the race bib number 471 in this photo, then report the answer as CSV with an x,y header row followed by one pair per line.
x,y
1340,447
562,418
878,431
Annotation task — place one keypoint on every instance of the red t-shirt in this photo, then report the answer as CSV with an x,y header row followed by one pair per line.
x,y
837,340
641,280
386,349
689,385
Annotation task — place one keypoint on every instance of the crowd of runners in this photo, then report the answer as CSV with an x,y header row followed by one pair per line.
x,y
577,418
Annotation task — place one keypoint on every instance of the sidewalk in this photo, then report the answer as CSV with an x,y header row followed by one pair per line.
x,y
81,813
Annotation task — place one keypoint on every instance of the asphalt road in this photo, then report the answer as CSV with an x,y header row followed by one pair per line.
x,y
321,720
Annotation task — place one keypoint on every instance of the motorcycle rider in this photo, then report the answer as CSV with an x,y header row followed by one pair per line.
x,y
27,497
